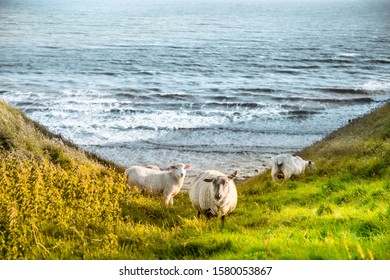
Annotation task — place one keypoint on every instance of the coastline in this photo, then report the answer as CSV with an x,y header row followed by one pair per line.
x,y
258,167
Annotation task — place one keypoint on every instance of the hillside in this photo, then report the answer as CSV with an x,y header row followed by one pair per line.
x,y
52,194
59,202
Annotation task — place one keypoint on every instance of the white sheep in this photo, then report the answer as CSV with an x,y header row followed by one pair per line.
x,y
166,182
213,193
284,166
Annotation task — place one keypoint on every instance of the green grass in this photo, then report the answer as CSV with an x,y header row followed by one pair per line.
x,y
59,202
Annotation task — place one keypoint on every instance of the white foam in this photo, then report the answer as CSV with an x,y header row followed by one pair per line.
x,y
345,54
376,85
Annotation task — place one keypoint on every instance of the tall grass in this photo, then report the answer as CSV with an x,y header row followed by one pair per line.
x,y
51,212
59,202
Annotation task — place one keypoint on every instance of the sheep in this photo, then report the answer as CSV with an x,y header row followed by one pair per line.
x,y
167,182
213,193
284,166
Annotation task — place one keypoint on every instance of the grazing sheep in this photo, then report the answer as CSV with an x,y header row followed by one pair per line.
x,y
284,166
213,193
167,183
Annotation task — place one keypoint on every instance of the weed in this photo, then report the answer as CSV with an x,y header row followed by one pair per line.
x,y
367,228
324,209
5,143
58,156
333,186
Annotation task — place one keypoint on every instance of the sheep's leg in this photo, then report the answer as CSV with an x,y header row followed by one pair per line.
x,y
169,200
223,220
199,214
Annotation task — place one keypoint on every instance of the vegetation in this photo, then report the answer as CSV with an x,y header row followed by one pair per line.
x,y
59,202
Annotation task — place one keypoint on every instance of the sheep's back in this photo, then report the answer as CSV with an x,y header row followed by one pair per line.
x,y
195,190
299,165
139,176
231,199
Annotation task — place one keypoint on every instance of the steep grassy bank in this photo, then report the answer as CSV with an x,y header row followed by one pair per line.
x,y
58,202
342,209
53,196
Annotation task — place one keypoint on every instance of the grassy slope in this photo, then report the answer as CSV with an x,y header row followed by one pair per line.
x,y
57,202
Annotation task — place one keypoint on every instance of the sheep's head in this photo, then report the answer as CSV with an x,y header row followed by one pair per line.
x,y
279,175
180,169
221,185
311,165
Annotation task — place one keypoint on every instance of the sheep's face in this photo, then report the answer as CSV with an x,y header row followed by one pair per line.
x,y
220,185
180,170
278,168
311,165
279,175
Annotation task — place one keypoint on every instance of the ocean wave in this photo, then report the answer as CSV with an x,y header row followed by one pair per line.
x,y
301,113
333,60
349,54
257,90
286,71
380,61
215,149
238,105
303,67
51,47
338,101
124,61
234,130
344,90
225,98
382,40
176,96
104,73
376,86
128,93
319,61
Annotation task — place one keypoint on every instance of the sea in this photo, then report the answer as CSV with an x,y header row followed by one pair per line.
x,y
216,84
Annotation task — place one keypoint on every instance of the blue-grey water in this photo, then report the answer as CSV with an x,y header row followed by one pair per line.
x,y
212,83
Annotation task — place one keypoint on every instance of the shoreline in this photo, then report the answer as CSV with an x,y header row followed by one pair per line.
x,y
257,166
254,166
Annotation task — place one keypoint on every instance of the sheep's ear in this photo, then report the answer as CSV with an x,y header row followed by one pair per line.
x,y
208,180
172,167
187,167
233,175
